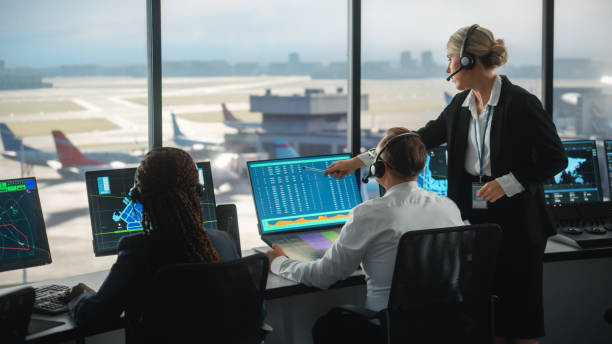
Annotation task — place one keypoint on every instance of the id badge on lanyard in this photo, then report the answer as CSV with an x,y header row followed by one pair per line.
x,y
480,202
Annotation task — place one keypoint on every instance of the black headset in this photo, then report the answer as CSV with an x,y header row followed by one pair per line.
x,y
136,196
378,167
466,60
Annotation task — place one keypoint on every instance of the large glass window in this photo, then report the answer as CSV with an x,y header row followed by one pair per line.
x,y
248,80
68,66
404,55
582,94
404,63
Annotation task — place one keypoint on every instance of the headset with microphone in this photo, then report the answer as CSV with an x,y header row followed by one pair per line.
x,y
137,197
378,167
466,60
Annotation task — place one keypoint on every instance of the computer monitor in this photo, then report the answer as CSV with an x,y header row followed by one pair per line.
x,y
433,176
608,145
293,195
23,235
580,181
114,215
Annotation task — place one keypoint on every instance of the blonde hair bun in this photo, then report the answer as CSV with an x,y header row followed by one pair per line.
x,y
498,54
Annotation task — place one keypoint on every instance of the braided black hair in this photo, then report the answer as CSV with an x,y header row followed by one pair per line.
x,y
166,181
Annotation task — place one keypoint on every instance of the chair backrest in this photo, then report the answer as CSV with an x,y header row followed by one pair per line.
x,y
442,285
207,303
15,311
227,221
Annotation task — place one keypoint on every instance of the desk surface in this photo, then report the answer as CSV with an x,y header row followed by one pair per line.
x,y
277,287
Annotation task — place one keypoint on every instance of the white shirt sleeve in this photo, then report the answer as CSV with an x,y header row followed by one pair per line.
x,y
368,157
339,261
510,184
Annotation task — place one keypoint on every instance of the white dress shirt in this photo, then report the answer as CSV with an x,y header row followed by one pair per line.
x,y
508,182
370,237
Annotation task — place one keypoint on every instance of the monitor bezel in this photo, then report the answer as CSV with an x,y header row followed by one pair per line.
x,y
37,260
259,226
596,166
93,174
608,162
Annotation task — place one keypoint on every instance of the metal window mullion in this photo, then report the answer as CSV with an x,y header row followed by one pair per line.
x,y
154,73
354,77
548,29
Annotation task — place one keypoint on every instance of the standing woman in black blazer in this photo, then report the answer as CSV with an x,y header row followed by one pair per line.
x,y
501,146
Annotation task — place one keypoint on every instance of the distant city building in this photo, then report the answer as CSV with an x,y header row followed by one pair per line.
x,y
406,60
427,61
573,68
16,79
294,58
406,68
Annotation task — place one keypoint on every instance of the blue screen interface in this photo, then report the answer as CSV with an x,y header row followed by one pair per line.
x,y
292,194
23,236
580,181
608,144
114,215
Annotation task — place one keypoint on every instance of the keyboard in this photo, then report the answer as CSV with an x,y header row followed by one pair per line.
x,y
47,299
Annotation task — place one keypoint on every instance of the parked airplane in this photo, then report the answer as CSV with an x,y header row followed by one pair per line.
x,y
73,162
231,121
180,139
447,97
14,149
283,149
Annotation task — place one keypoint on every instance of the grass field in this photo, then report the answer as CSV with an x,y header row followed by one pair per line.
x,y
39,128
36,107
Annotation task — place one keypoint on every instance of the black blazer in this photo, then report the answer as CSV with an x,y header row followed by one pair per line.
x,y
524,141
125,287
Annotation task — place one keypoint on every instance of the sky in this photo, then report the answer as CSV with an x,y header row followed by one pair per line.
x,y
38,33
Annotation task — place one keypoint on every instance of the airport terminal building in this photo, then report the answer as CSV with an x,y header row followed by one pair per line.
x,y
313,123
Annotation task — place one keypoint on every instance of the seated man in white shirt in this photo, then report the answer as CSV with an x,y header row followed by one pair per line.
x,y
372,232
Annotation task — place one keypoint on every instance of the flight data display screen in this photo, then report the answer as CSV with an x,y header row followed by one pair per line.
x,y
580,181
23,236
608,144
292,194
114,215
433,176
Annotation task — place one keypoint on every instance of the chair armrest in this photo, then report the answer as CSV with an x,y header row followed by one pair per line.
x,y
360,311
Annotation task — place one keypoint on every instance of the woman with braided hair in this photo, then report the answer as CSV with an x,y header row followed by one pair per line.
x,y
167,185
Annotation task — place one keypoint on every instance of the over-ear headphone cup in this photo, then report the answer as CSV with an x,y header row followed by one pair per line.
x,y
378,169
467,61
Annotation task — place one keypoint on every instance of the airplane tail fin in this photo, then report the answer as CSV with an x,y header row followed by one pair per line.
x,y
10,141
68,154
227,114
283,149
447,97
177,130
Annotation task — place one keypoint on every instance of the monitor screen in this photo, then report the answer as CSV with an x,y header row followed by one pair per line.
x,y
608,144
292,194
114,215
23,236
580,181
433,176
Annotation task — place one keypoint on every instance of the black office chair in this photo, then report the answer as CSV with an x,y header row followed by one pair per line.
x,y
15,311
227,221
205,303
442,287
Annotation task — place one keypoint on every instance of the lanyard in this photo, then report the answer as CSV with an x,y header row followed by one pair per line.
x,y
480,149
